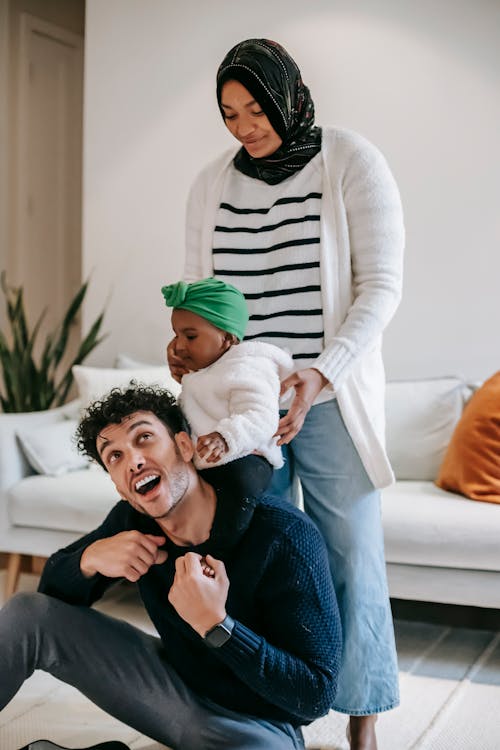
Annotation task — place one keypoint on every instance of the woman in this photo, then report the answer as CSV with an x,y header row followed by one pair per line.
x,y
307,222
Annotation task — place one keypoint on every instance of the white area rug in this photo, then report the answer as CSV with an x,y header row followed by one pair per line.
x,y
449,680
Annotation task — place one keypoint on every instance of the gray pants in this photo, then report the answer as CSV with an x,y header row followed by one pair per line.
x,y
124,672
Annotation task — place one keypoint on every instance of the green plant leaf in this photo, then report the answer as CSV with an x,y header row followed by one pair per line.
x,y
67,322
6,362
88,344
17,317
32,383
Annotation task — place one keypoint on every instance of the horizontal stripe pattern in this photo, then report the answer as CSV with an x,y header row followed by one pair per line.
x,y
264,250
278,202
266,243
285,313
267,271
282,292
268,227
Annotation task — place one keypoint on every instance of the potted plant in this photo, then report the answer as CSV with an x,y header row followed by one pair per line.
x,y
36,382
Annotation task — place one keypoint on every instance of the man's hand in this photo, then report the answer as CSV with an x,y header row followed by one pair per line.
x,y
199,599
307,383
211,447
177,367
128,554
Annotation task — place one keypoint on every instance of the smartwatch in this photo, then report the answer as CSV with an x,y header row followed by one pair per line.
x,y
219,634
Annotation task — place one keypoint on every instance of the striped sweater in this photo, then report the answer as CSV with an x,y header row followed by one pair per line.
x,y
266,243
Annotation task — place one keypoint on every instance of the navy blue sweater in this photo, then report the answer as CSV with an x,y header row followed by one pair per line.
x,y
282,660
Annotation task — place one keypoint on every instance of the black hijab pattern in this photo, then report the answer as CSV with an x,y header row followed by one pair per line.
x,y
273,79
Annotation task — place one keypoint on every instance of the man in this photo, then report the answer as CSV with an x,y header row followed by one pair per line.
x,y
238,589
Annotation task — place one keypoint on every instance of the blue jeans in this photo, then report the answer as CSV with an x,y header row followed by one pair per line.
x,y
341,500
124,671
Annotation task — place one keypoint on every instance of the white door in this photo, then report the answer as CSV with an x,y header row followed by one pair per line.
x,y
48,216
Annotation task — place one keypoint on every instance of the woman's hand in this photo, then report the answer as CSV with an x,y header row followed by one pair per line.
x,y
307,383
177,367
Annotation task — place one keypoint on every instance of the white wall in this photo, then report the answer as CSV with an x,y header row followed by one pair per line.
x,y
421,80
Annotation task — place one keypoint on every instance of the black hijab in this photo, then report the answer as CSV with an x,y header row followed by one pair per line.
x,y
273,79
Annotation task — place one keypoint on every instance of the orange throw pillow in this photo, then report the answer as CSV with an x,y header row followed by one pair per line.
x,y
471,465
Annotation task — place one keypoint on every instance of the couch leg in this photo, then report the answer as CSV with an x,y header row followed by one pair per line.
x,y
37,564
12,575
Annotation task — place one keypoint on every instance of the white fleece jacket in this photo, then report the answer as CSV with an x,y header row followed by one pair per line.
x,y
238,396
361,263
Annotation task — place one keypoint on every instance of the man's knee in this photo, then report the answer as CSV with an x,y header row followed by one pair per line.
x,y
26,608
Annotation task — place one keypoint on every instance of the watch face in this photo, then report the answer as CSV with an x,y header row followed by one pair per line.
x,y
220,634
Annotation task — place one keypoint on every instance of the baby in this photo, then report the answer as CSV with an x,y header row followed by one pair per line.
x,y
230,390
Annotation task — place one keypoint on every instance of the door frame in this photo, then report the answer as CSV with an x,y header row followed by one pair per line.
x,y
4,137
30,24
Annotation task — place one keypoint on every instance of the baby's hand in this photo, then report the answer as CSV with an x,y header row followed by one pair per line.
x,y
208,571
211,447
175,363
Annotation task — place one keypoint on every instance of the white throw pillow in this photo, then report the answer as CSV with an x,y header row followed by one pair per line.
x,y
95,382
50,449
125,362
420,418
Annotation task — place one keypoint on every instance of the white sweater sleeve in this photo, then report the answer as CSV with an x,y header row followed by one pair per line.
x,y
203,202
193,269
376,239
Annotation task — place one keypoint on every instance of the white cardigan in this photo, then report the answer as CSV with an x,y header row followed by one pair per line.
x,y
238,396
361,263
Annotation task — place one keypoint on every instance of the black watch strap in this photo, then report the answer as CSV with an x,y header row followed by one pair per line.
x,y
220,634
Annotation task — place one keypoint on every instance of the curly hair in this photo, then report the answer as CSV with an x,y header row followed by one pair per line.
x,y
120,403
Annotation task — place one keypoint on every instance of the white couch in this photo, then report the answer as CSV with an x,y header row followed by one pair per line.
x,y
439,546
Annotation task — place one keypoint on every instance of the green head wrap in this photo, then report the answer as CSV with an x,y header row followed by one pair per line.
x,y
219,303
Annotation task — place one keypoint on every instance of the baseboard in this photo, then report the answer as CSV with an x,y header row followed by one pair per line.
x,y
457,615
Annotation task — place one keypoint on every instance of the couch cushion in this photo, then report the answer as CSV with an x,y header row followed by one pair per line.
x,y
13,462
51,449
95,382
76,502
471,465
126,362
420,418
424,525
